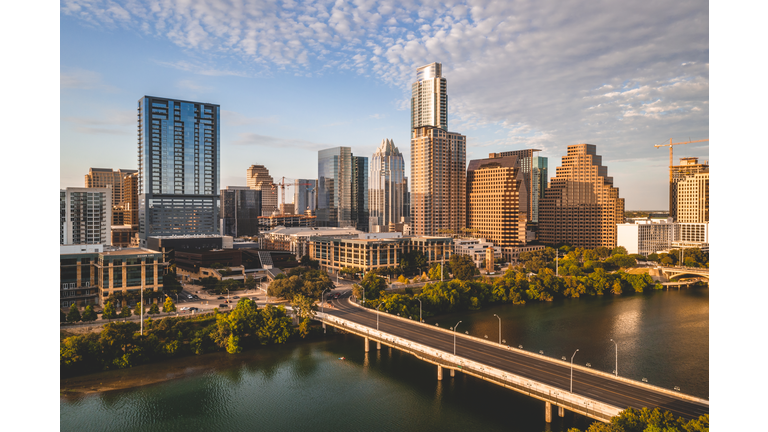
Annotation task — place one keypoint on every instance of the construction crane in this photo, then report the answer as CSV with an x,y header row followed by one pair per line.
x,y
282,185
671,164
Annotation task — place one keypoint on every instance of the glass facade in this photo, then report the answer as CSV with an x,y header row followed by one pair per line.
x,y
387,187
178,167
240,210
539,179
305,196
342,189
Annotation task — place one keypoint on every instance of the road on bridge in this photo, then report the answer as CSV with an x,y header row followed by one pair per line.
x,y
600,388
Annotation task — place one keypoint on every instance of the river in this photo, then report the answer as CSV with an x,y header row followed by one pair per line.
x,y
661,336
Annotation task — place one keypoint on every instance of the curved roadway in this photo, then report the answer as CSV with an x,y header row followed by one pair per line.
x,y
606,390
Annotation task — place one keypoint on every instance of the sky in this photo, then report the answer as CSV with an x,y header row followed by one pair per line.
x,y
292,78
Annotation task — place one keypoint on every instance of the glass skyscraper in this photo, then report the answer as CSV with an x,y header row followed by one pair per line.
x,y
387,187
342,189
178,167
305,196
240,211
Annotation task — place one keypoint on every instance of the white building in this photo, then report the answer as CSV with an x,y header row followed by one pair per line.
x,y
85,216
296,239
475,249
647,236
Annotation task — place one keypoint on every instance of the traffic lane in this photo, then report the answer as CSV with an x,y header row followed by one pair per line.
x,y
596,387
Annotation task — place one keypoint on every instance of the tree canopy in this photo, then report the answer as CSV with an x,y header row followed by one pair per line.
x,y
300,280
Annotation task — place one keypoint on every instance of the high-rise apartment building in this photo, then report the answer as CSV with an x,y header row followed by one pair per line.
x,y
535,173
179,145
305,196
103,177
342,189
693,198
497,200
86,216
688,166
240,211
257,177
429,98
581,207
438,158
387,187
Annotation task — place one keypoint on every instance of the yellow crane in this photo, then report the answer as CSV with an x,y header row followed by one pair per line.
x,y
671,164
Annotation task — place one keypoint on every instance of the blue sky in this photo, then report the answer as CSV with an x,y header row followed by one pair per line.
x,y
292,78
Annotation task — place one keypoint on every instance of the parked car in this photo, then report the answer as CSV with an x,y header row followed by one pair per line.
x,y
223,305
194,309
189,296
235,297
220,298
184,308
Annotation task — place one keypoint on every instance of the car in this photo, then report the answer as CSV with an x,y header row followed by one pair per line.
x,y
189,296
220,298
235,297
223,305
337,295
196,296
184,308
194,309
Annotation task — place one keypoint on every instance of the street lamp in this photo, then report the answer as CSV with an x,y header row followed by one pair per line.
x,y
419,310
617,357
377,316
574,355
499,327
454,337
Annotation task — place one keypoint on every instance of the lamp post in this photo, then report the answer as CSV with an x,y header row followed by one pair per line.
x,y
617,357
499,327
419,310
377,316
574,355
454,337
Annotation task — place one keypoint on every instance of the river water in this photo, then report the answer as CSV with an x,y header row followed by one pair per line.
x,y
661,336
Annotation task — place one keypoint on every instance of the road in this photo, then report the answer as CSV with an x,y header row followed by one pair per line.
x,y
606,390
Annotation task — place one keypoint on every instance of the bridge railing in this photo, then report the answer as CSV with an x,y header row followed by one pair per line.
x,y
584,369
574,402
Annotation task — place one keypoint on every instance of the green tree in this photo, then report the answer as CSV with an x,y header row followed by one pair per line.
x,y
463,267
74,314
125,312
306,261
305,309
139,309
168,306
109,311
89,314
275,325
154,309
250,282
619,250
373,285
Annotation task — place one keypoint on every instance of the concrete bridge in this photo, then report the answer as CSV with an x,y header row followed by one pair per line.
x,y
597,395
676,272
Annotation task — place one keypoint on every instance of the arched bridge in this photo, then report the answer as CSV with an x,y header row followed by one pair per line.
x,y
674,272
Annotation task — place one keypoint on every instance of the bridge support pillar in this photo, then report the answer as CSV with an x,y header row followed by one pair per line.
x,y
366,344
439,373
547,412
453,373
561,411
378,345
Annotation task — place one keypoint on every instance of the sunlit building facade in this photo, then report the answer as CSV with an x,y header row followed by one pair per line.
x,y
387,187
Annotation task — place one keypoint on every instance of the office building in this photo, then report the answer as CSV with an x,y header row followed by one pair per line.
x,y
581,207
305,196
286,220
179,145
693,198
476,249
438,159
535,173
257,177
387,187
497,200
646,236
240,211
689,166
85,216
342,189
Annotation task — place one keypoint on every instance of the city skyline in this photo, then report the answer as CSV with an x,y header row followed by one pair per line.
x,y
516,80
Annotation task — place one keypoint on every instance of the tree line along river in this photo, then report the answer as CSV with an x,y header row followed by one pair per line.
x,y
662,336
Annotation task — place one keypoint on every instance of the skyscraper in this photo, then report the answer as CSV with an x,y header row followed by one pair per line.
x,y
429,98
535,173
438,159
693,199
240,211
103,177
581,207
305,196
178,167
386,187
497,200
342,188
257,177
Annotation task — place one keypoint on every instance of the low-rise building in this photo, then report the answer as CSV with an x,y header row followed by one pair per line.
x,y
366,254
511,254
475,248
286,220
296,239
647,236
